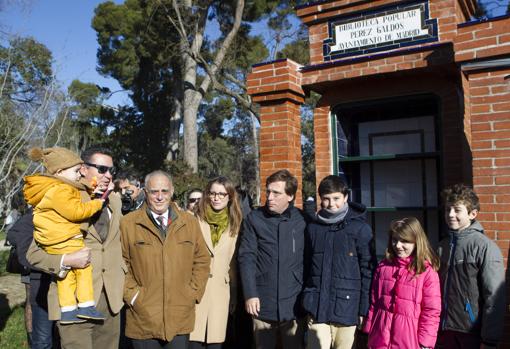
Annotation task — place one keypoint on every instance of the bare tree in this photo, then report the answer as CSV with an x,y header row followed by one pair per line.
x,y
26,122
190,20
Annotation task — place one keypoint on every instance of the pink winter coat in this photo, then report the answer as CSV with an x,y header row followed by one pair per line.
x,y
405,309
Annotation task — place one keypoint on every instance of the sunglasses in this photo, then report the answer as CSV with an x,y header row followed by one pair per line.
x,y
193,200
103,169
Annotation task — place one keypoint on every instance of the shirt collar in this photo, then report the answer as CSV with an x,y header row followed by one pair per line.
x,y
155,215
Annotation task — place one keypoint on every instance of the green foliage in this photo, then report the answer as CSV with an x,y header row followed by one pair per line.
x,y
25,66
13,335
217,157
4,255
184,179
139,48
297,50
215,114
308,146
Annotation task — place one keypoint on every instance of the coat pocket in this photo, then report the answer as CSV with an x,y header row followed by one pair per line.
x,y
346,303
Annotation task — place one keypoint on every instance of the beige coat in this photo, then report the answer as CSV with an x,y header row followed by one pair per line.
x,y
108,268
167,276
212,312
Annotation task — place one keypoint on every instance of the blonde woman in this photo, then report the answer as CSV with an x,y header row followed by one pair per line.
x,y
219,215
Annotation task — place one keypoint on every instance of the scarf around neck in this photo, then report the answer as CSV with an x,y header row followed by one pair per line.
x,y
218,222
328,217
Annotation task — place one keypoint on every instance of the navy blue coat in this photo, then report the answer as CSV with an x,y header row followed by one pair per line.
x,y
340,260
21,235
271,257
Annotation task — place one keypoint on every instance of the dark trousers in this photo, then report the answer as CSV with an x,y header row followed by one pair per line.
x,y
42,328
93,334
178,342
200,345
458,340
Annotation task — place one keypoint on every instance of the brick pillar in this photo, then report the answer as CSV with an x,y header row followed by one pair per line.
x,y
276,87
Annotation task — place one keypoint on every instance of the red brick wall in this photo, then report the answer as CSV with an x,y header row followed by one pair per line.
x,y
276,87
280,141
447,12
483,40
489,107
474,114
490,134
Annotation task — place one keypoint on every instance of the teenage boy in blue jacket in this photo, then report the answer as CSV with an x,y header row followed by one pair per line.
x,y
339,263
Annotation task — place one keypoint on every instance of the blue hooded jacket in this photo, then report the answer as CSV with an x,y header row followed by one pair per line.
x,y
339,263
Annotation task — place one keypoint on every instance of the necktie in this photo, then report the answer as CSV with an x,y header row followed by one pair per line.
x,y
161,220
102,223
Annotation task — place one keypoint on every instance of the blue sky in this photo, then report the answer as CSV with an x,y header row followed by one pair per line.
x,y
64,26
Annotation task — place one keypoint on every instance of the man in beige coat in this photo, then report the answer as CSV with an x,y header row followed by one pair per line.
x,y
103,252
168,266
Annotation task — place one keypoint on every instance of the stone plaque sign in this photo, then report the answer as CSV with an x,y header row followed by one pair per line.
x,y
386,29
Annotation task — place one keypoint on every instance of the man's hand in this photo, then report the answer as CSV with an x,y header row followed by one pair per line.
x,y
78,260
252,306
361,323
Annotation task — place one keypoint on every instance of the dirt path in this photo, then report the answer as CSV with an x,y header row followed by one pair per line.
x,y
12,291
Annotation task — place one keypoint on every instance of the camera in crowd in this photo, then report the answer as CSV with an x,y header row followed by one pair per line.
x,y
128,204
131,193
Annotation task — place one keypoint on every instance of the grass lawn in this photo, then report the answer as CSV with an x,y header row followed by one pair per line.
x,y
12,329
12,323
3,262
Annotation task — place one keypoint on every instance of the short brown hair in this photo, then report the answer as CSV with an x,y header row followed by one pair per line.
x,y
461,194
291,183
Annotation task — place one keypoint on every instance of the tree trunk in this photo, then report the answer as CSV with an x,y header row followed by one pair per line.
x,y
191,103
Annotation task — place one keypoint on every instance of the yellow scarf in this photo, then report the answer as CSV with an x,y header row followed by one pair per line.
x,y
218,222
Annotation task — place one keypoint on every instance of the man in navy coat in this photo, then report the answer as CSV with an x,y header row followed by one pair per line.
x,y
270,259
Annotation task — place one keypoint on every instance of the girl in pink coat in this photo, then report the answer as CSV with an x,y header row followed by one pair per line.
x,y
406,296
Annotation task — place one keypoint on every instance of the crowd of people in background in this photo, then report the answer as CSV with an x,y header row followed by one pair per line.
x,y
117,263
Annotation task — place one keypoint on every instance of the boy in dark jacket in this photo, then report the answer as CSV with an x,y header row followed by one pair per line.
x,y
472,277
339,264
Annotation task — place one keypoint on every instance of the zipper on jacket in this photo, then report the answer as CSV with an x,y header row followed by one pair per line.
x,y
293,241
453,246
470,311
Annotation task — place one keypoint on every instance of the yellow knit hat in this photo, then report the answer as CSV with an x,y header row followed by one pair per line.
x,y
55,159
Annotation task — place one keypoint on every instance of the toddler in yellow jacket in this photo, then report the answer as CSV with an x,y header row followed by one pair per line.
x,y
58,213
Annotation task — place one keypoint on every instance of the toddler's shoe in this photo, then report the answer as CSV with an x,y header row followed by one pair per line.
x,y
70,317
90,313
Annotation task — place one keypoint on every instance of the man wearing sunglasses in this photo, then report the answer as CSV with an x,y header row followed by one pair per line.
x,y
102,251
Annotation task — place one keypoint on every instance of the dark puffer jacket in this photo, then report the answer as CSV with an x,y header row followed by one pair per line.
x,y
472,284
270,256
340,261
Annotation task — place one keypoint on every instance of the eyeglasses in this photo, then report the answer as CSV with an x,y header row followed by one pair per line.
x,y
193,200
103,169
219,195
